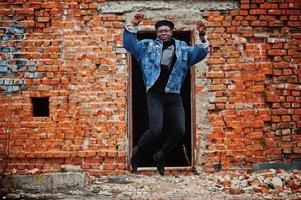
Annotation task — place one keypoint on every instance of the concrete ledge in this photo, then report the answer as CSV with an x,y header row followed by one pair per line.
x,y
58,182
275,165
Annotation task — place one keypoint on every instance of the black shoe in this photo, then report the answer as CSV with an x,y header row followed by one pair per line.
x,y
135,160
159,159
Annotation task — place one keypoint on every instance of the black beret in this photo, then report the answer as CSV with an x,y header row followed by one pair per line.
x,y
164,23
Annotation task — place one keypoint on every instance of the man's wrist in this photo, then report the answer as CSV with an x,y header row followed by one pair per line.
x,y
202,37
203,42
131,28
203,33
134,24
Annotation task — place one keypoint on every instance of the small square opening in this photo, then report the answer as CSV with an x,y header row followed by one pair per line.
x,y
40,106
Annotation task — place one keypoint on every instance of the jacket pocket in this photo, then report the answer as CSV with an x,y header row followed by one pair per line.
x,y
184,53
151,53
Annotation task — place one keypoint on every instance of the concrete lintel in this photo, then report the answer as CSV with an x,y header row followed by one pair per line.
x,y
130,6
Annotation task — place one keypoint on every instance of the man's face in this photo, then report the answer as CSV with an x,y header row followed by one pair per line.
x,y
164,33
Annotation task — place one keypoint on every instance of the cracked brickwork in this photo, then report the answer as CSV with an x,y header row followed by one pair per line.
x,y
247,92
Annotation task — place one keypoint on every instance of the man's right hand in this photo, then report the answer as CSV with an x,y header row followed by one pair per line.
x,y
137,19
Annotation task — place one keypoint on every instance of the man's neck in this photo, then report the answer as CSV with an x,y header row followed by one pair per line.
x,y
167,43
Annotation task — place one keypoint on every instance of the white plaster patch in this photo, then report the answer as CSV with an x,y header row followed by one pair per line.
x,y
85,143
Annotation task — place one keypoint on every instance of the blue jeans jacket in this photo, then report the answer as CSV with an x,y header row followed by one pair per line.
x,y
148,54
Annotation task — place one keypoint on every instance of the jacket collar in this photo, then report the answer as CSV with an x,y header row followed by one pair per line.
x,y
177,42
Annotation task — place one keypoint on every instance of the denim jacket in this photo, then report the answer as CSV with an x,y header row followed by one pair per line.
x,y
148,54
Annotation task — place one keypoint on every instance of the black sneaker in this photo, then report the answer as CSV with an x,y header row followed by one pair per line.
x,y
159,159
135,160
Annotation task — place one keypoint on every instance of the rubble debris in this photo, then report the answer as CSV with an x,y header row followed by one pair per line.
x,y
267,184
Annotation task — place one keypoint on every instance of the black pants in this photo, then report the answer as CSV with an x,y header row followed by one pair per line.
x,y
161,106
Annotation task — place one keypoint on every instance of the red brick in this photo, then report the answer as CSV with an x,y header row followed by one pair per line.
x,y
259,23
257,11
277,12
24,12
215,74
293,23
216,135
217,87
268,5
50,5
43,19
214,24
244,6
283,5
293,12
277,52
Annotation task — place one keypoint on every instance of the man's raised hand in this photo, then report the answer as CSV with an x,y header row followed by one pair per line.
x,y
201,28
137,19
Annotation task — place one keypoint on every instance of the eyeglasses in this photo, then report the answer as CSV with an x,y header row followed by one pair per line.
x,y
163,31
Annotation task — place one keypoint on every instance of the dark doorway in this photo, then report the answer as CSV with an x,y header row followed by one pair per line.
x,y
181,156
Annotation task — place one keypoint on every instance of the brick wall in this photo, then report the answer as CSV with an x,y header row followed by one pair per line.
x,y
69,54
72,53
254,68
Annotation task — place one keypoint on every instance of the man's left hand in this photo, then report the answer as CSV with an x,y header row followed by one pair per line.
x,y
201,28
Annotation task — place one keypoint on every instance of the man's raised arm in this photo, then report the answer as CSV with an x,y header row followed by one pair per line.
x,y
130,41
200,50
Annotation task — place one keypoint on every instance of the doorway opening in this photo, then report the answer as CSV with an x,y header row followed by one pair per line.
x,y
182,155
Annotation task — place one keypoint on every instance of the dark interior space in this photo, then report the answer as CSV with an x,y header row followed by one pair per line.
x,y
40,106
181,155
